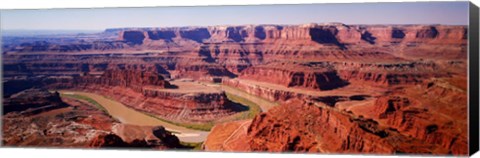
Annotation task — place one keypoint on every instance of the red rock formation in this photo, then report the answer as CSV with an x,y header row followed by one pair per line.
x,y
134,79
76,124
229,137
389,105
133,37
313,127
331,75
142,90
131,136
183,107
446,91
324,38
307,128
328,34
72,126
32,101
412,33
282,94
107,141
208,49
301,127
319,76
406,116
388,74
262,92
200,71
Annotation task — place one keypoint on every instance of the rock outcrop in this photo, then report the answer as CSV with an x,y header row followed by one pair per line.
x,y
313,129
72,126
318,76
32,101
262,91
109,141
389,74
129,78
302,127
194,107
200,71
229,136
310,127
130,136
406,116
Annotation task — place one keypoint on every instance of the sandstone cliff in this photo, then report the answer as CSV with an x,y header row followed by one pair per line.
x,y
319,76
330,38
408,118
311,127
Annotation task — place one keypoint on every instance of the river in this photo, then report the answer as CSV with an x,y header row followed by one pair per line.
x,y
130,116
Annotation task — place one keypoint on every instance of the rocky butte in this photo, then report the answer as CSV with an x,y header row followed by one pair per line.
x,y
322,88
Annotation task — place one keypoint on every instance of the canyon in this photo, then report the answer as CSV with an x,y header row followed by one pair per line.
x,y
319,88
74,124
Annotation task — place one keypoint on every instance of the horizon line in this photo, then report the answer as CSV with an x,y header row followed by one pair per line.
x,y
140,27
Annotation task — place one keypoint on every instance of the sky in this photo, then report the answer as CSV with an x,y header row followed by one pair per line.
x,y
449,13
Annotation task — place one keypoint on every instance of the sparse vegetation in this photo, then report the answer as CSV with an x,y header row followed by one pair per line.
x,y
196,126
253,109
85,98
257,97
99,106
192,145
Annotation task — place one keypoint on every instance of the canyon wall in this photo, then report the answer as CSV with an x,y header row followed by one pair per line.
x,y
312,127
330,33
210,53
417,122
318,76
268,40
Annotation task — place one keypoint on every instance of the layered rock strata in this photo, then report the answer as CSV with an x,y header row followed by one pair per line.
x,y
403,115
219,51
318,76
312,127
149,92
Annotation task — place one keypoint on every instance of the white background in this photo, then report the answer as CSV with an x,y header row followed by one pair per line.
x,y
80,153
